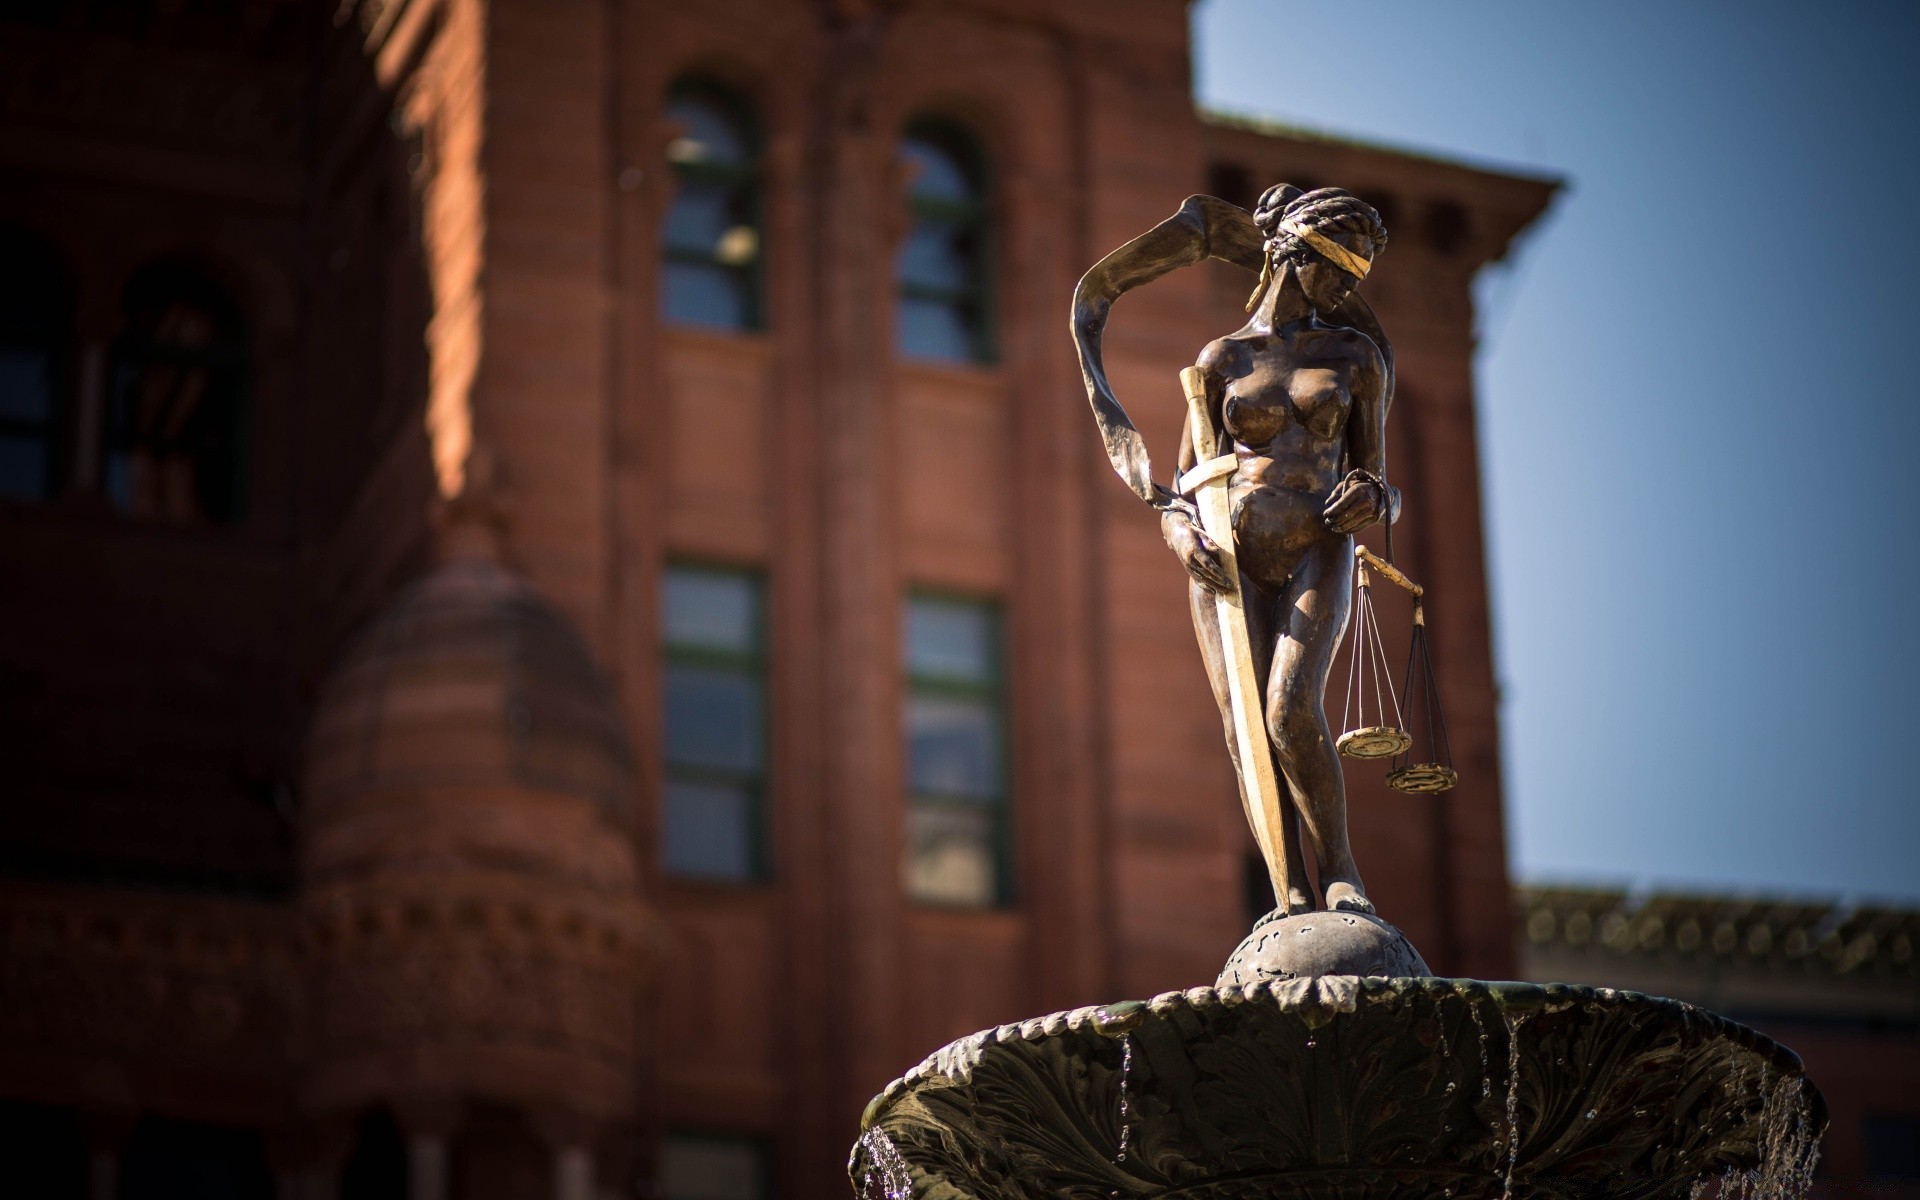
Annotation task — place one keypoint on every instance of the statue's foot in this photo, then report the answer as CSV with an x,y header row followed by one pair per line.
x,y
1299,903
1347,897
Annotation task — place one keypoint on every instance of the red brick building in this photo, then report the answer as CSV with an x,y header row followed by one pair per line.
x,y
565,616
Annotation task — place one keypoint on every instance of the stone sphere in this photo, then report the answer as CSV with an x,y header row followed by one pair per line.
x,y
1322,943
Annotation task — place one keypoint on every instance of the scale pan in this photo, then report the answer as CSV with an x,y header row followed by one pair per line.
x,y
1422,777
1374,741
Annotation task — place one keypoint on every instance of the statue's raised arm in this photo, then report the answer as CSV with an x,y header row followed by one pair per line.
x,y
1204,227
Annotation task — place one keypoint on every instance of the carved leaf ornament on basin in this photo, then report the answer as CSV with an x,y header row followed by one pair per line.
x,y
1341,1086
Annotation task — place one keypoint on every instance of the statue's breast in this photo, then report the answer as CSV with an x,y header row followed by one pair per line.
x,y
1256,420
1319,398
1312,397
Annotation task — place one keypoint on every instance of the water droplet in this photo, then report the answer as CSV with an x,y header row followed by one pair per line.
x,y
1591,1114
1309,1043
1486,1084
895,1179
1451,1087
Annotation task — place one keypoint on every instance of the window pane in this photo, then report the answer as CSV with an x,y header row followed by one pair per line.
x,y
709,134
936,329
713,719
709,830
710,1168
712,216
26,385
23,468
938,173
173,416
956,752
951,856
702,214
712,610
938,254
714,296
951,639
170,433
953,747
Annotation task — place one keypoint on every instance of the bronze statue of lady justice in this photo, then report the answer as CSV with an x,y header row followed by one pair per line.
x,y
1282,461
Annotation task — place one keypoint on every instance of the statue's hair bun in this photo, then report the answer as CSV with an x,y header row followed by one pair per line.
x,y
1328,210
1273,206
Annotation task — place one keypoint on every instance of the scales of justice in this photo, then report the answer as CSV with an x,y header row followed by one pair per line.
x,y
1325,1061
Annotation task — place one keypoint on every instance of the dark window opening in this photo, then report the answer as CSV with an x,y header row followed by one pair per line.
x,y
1447,226
44,1151
945,310
710,275
167,1159
1232,183
174,428
377,1168
36,331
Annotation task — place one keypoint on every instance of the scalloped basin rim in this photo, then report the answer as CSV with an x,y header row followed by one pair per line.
x,y
1342,1087
1317,1000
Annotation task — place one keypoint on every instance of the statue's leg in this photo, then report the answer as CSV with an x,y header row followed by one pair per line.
x,y
1262,607
1206,628
1314,607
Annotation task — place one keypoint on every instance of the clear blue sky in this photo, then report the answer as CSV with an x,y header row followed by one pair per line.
x,y
1697,405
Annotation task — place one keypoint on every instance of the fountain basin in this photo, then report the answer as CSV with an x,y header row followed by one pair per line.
x,y
1347,1087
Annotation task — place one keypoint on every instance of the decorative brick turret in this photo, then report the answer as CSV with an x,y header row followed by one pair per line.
x,y
468,878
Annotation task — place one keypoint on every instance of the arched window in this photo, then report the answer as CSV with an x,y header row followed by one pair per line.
x,y
946,288
179,386
36,327
711,238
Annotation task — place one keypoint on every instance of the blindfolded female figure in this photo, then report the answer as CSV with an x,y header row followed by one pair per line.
x,y
1296,403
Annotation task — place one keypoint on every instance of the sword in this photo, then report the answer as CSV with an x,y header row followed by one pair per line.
x,y
1207,483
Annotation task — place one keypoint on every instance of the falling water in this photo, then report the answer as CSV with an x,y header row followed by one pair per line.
x,y
1486,1084
1788,1146
1739,1086
1446,1054
884,1156
1513,1101
1126,1081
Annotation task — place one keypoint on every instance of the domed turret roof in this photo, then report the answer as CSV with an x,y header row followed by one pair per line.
x,y
470,678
